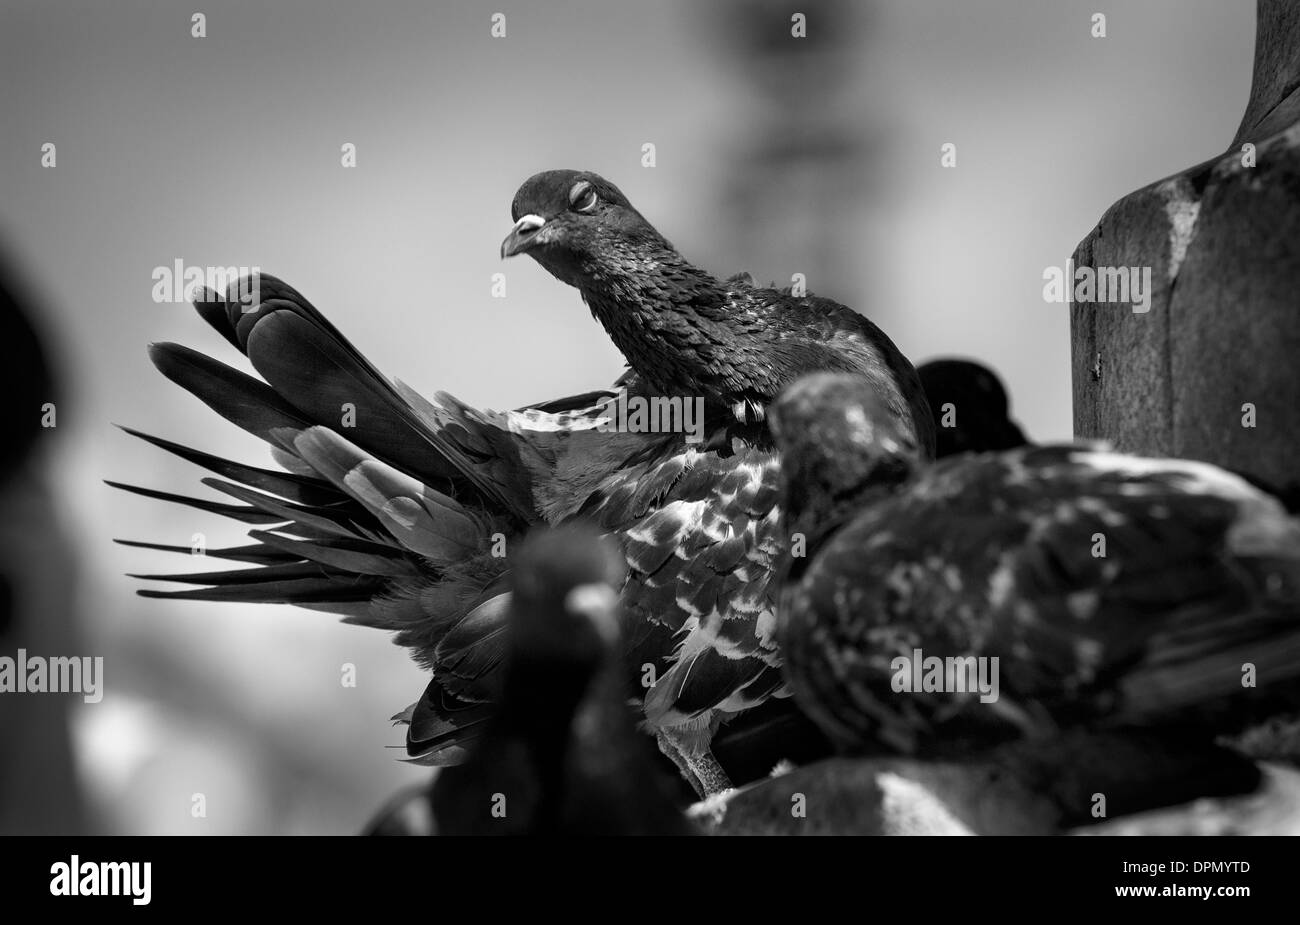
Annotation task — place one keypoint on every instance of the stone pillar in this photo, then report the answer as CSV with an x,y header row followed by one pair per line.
x,y
1219,348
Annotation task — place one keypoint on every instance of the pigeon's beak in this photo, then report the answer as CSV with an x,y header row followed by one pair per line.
x,y
522,236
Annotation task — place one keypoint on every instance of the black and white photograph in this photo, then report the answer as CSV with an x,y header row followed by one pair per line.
x,y
650,417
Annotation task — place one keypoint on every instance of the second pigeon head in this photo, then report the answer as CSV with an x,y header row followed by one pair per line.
x,y
564,612
837,439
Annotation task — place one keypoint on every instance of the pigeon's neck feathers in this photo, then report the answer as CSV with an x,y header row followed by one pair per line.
x,y
818,498
667,316
685,332
817,503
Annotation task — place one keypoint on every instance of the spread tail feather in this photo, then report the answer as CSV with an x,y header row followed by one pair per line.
x,y
388,526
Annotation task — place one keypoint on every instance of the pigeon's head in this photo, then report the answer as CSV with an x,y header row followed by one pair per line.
x,y
580,227
984,423
564,607
838,439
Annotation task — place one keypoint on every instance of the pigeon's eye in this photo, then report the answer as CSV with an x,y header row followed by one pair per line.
x,y
582,198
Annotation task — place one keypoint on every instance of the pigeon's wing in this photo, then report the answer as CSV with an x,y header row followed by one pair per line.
x,y
846,341
568,448
1190,574
306,360
699,530
376,485
392,510
388,507
1107,586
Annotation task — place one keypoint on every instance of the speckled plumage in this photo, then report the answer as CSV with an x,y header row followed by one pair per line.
x,y
398,520
996,555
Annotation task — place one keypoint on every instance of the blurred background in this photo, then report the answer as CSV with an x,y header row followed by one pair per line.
x,y
771,154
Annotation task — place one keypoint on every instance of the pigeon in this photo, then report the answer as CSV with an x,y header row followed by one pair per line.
x,y
682,330
40,567
394,511
1003,596
562,755
970,404
27,376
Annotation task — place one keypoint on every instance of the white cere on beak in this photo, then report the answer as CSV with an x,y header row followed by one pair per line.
x,y
521,235
528,223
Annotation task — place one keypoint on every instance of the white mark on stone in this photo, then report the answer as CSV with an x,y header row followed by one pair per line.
x,y
1181,210
909,808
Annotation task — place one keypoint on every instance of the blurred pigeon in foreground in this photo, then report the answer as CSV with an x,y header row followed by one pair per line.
x,y
970,407
389,504
562,755
1015,594
39,570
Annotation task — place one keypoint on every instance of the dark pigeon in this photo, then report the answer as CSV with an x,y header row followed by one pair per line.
x,y
561,756
970,406
1116,592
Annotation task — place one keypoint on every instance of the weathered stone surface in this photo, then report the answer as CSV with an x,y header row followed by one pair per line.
x,y
1235,318
1223,243
1274,809
1121,383
1274,101
844,796
870,796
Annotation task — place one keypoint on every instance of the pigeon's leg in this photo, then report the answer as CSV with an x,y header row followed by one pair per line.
x,y
674,754
711,776
698,766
